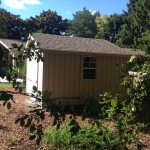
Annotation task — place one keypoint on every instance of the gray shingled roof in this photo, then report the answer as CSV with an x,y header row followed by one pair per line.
x,y
78,44
8,42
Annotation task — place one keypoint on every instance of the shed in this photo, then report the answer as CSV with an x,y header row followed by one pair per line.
x,y
8,51
75,66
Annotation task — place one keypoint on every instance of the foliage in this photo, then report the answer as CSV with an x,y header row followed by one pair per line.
x,y
83,24
3,30
101,22
113,26
138,83
57,137
136,25
51,23
12,139
115,130
88,137
13,27
92,106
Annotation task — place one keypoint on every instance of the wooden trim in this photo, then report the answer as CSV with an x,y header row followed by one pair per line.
x,y
82,61
85,53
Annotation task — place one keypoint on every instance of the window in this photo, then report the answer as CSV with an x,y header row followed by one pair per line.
x,y
89,68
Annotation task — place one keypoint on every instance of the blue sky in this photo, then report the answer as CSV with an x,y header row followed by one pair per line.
x,y
65,8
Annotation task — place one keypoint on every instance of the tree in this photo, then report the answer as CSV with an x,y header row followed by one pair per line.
x,y
137,23
50,22
30,25
113,26
3,29
15,26
101,22
12,26
83,24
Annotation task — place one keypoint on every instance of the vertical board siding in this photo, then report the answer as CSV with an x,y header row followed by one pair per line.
x,y
56,74
67,76
72,75
63,76
46,71
104,78
77,75
51,70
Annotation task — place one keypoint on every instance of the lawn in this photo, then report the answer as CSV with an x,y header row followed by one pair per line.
x,y
5,85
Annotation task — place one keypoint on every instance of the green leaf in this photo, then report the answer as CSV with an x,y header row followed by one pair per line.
x,y
28,123
32,137
38,140
14,45
38,43
117,138
32,128
8,105
42,59
38,113
4,103
20,89
20,56
22,122
42,115
16,88
17,64
16,121
39,92
114,102
34,88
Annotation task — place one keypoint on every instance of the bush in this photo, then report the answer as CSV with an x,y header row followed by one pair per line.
x,y
88,137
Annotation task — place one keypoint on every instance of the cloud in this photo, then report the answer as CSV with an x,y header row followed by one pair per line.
x,y
20,4
31,2
68,12
92,12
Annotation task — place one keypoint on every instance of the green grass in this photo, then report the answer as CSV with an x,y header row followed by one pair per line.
x,y
89,137
5,85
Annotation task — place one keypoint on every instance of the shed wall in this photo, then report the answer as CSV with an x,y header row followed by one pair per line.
x,y
62,74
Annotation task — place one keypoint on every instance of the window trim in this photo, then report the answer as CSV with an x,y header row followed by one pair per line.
x,y
82,62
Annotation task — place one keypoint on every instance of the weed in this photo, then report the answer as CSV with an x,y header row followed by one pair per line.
x,y
12,139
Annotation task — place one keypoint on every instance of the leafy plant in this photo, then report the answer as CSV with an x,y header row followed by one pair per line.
x,y
92,106
12,139
88,137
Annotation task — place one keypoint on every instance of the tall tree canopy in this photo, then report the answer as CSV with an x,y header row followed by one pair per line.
x,y
101,22
15,26
83,24
50,22
108,27
3,29
134,33
12,26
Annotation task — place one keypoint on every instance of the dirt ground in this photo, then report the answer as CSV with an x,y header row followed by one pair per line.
x,y
14,137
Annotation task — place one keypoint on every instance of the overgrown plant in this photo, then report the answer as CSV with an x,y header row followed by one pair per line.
x,y
137,80
114,129
122,117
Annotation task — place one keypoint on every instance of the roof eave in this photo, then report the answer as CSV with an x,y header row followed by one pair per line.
x,y
83,52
